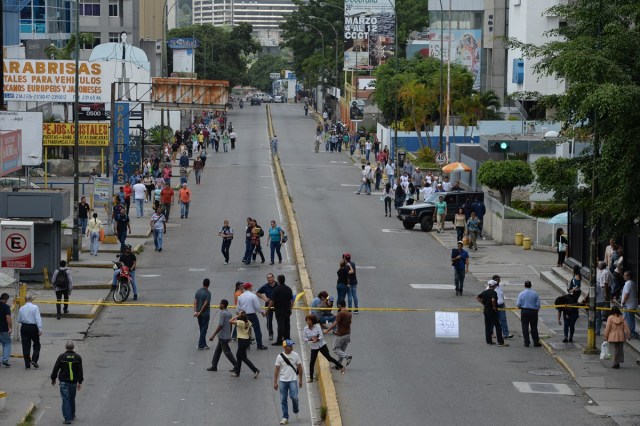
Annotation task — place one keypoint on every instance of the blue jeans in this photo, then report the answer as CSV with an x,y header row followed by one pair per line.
x,y
255,324
226,244
275,247
367,154
158,235
248,249
600,315
184,209
203,323
290,389
122,237
502,316
82,222
5,341
630,319
342,291
140,207
132,274
68,394
458,279
352,294
570,319
95,241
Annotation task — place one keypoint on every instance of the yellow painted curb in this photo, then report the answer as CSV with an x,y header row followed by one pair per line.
x,y
327,387
30,410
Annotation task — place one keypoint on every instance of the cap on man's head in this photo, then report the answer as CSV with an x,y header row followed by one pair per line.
x,y
287,342
346,255
492,283
460,243
247,285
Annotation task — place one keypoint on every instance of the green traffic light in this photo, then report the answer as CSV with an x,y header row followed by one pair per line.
x,y
503,145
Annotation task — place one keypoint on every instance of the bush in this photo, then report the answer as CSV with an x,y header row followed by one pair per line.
x,y
522,205
547,210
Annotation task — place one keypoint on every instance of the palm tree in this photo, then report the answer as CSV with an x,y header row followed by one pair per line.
x,y
491,105
86,39
418,103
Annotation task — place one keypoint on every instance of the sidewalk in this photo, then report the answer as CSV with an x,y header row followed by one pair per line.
x,y
615,393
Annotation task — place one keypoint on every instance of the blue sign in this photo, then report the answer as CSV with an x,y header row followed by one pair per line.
x,y
121,163
183,43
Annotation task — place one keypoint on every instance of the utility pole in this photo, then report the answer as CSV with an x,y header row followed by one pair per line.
x,y
75,250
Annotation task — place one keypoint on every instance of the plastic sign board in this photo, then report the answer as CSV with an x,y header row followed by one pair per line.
x,y
62,134
17,244
10,148
102,189
30,124
369,31
183,43
274,75
447,325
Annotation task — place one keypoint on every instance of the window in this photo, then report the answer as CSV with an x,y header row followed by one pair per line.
x,y
114,37
113,8
89,7
96,42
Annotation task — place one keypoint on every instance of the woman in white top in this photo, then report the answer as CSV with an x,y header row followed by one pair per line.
x,y
314,335
93,232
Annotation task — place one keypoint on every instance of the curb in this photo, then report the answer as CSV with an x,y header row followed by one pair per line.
x,y
91,315
327,387
30,410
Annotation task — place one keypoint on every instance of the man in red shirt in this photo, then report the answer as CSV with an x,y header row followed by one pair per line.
x,y
166,199
184,198
342,332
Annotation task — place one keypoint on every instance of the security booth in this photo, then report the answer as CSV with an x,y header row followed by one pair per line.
x,y
46,208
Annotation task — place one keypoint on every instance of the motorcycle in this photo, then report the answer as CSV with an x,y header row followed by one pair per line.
x,y
121,287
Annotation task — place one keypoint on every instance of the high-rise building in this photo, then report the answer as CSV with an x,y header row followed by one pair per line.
x,y
46,20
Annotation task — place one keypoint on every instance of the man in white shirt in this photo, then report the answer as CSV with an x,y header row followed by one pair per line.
x,y
288,367
139,193
502,314
446,185
250,303
389,169
604,279
30,331
426,191
630,301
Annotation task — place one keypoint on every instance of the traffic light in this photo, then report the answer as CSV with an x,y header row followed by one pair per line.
x,y
501,146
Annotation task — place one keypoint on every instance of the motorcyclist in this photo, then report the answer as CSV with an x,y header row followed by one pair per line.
x,y
241,103
129,260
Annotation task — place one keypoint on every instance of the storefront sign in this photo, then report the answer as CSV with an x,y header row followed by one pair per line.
x,y
62,134
10,146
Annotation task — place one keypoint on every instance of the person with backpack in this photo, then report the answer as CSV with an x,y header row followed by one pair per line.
x,y
62,285
287,378
276,235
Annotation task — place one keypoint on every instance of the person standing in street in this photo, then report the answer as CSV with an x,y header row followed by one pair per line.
x,y
502,313
440,213
274,145
250,305
604,280
6,327
226,233
489,299
68,371
460,263
159,227
198,164
166,199
629,300
616,332
123,224
265,292
233,136
83,214
561,244
529,304
248,247
30,332
243,327
287,378
352,287
202,311
93,232
184,197
282,304
315,337
139,194
342,326
62,285
224,337
276,234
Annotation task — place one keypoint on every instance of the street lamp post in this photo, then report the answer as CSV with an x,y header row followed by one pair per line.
x,y
75,247
165,12
337,40
441,72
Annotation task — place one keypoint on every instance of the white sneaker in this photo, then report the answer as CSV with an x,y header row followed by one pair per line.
x,y
298,417
284,421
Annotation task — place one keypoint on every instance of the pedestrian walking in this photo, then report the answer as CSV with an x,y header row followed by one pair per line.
x,y
226,233
342,286
282,304
276,235
248,247
166,199
561,244
123,224
287,378
460,263
489,299
629,301
352,287
93,232
233,136
256,233
198,164
459,222
30,332
440,213
83,214
202,311
315,337
62,285
568,313
616,332
184,198
68,371
473,230
159,227
529,304
604,280
265,292
139,194
387,194
342,327
502,312
249,303
274,145
224,337
6,326
243,327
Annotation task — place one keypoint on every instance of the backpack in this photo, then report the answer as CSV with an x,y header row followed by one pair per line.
x,y
62,280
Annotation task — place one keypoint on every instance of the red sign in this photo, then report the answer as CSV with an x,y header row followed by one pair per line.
x,y
17,245
10,152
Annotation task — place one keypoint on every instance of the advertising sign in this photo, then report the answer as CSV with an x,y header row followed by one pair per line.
x,y
10,158
101,191
183,43
181,92
62,134
121,167
93,112
16,251
369,29
30,123
465,50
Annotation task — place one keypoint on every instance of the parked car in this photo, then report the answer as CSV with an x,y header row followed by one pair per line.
x,y
255,100
422,213
279,99
267,98
14,182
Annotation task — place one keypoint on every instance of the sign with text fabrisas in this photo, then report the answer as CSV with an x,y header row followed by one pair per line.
x,y
121,144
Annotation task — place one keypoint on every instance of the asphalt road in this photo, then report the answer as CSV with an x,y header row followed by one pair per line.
x,y
401,373
141,364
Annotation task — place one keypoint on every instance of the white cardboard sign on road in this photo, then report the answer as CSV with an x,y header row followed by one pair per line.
x,y
17,244
447,325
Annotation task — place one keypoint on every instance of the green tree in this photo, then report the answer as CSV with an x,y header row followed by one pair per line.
x,y
419,103
599,98
66,52
258,73
556,174
504,176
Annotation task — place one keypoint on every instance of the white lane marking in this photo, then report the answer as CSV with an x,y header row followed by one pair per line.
x,y
339,162
548,388
395,231
150,276
267,187
349,185
432,286
266,176
365,267
198,269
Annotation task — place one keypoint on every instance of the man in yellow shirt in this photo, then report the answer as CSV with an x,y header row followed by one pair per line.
x,y
184,198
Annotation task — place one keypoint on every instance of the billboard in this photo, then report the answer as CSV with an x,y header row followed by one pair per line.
x,y
369,29
10,158
186,92
31,125
121,166
465,50
62,134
